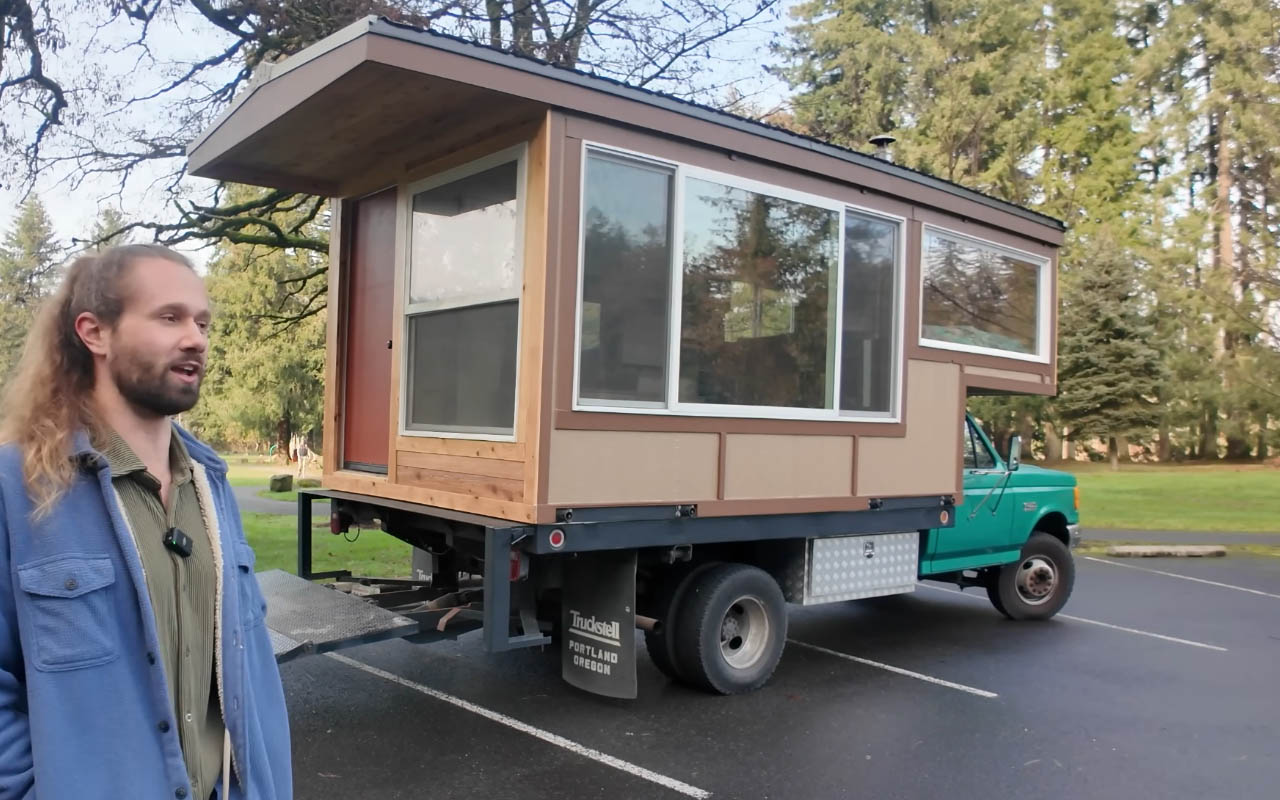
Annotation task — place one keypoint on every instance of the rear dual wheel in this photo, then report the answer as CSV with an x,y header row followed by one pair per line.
x,y
724,629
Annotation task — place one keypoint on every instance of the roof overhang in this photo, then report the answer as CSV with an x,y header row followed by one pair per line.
x,y
355,111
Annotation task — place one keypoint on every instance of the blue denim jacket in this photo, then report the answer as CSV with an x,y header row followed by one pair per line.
x,y
84,710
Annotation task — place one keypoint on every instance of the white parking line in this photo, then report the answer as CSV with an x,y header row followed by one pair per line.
x,y
546,736
898,670
1173,639
1183,577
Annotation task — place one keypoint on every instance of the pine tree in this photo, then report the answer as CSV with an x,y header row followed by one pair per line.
x,y
1109,372
109,229
265,379
29,259
957,82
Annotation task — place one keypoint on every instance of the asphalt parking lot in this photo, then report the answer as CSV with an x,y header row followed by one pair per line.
x,y
1160,680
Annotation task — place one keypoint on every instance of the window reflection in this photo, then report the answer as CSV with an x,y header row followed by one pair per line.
x,y
757,325
626,274
870,313
978,296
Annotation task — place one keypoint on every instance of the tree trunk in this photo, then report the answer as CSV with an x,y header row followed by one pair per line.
x,y
1027,430
1122,449
1224,260
1113,449
1238,448
1209,435
1052,444
284,432
522,27
1163,445
571,46
495,12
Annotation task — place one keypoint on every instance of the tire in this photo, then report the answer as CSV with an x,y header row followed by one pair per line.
x,y
993,593
666,607
730,629
1037,585
655,642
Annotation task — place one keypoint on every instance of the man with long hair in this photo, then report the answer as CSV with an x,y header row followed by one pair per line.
x,y
134,660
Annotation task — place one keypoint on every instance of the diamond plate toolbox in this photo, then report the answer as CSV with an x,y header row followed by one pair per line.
x,y
854,567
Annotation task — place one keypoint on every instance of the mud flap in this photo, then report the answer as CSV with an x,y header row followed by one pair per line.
x,y
598,645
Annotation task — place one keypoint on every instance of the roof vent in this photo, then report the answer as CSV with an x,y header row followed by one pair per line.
x,y
882,143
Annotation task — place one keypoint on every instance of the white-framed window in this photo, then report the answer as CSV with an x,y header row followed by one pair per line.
x,y
707,294
463,278
981,297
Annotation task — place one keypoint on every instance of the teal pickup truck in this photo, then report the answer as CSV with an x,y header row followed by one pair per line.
x,y
1013,532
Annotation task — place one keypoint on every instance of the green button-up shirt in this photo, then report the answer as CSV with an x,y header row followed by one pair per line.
x,y
183,593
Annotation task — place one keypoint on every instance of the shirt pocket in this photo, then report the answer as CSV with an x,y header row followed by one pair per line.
x,y
253,605
69,600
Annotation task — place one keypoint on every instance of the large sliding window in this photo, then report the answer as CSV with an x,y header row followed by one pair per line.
x,y
983,298
707,294
463,300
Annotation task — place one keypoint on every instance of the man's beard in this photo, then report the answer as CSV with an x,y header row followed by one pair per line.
x,y
149,388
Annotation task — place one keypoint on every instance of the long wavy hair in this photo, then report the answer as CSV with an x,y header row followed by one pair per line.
x,y
50,394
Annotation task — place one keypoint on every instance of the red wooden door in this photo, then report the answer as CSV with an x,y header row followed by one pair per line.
x,y
370,294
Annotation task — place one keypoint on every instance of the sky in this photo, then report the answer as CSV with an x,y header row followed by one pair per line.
x,y
74,208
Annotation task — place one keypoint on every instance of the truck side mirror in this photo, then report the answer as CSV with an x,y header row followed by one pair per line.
x,y
1014,459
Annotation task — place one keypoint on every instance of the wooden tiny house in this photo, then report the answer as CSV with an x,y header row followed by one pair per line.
x,y
551,294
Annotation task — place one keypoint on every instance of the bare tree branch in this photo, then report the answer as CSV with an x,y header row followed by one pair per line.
x,y
90,126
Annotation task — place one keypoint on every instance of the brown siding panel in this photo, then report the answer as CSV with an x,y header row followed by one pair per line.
x,y
476,486
764,466
608,467
925,461
376,486
465,465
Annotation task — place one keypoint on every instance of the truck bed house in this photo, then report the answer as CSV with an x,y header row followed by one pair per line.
x,y
622,356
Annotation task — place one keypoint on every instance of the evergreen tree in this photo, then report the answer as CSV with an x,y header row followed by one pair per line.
x,y
957,82
267,353
29,259
109,229
1109,373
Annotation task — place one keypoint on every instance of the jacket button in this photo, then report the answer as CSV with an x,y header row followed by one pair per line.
x,y
71,584
180,793
163,726
151,658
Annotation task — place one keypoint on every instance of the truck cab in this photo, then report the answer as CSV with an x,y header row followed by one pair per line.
x,y
1006,505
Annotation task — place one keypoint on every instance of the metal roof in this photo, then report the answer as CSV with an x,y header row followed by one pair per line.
x,y
384,27
381,26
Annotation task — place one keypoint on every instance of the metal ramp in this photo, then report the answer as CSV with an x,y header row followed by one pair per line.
x,y
306,618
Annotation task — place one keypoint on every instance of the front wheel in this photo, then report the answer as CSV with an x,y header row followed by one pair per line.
x,y
1037,585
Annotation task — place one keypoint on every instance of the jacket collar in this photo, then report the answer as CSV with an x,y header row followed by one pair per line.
x,y
83,451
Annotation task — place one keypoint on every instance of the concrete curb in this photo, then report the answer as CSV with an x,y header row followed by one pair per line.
x,y
1160,550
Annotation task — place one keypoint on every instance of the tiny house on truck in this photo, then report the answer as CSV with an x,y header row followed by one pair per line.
x,y
608,359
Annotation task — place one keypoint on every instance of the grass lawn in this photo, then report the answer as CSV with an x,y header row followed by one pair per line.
x,y
1239,498
290,496
274,539
258,474
255,474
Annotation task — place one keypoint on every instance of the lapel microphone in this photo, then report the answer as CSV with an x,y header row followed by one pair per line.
x,y
178,542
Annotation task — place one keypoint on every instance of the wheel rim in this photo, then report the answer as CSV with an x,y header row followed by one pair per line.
x,y
1037,579
744,632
